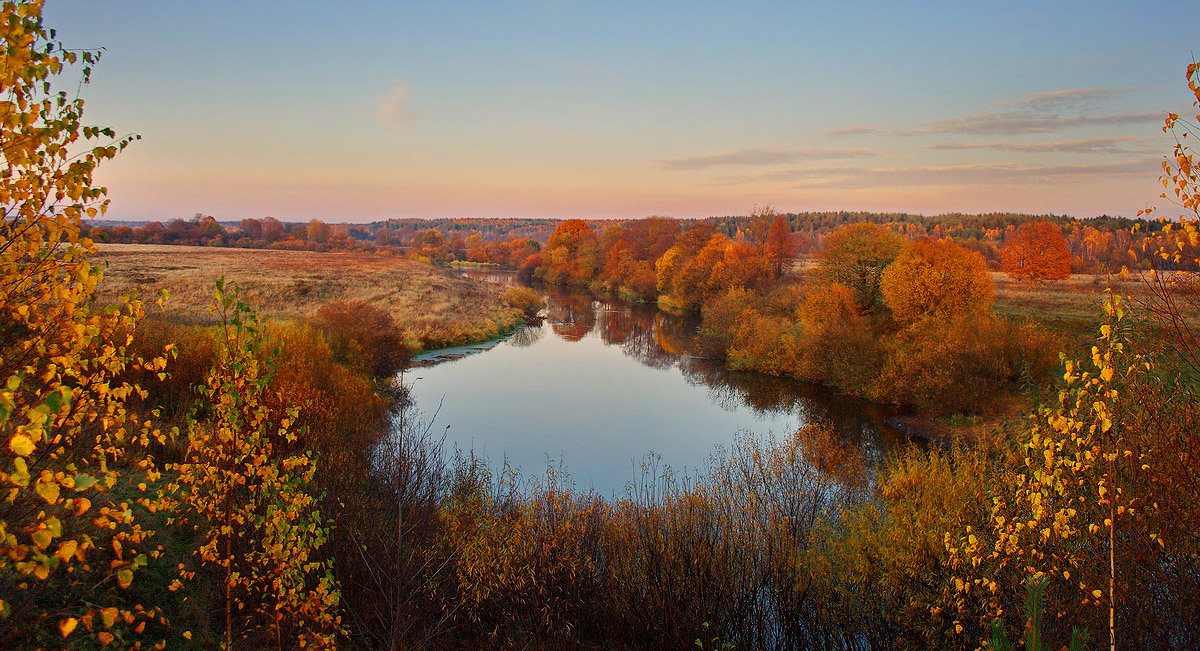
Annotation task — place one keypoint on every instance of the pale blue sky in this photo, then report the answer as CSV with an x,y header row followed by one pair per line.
x,y
367,110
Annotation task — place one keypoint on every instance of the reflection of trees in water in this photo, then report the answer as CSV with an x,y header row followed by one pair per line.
x,y
676,335
659,340
527,335
615,323
571,314
856,422
643,346
632,328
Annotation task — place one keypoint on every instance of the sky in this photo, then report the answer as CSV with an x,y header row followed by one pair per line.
x,y
357,111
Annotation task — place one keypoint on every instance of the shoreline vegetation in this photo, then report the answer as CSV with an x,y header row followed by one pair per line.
x,y
230,481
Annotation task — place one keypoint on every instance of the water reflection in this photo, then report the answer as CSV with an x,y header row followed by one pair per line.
x,y
570,388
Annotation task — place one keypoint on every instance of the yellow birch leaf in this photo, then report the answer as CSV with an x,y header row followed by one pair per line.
x,y
21,445
48,490
67,625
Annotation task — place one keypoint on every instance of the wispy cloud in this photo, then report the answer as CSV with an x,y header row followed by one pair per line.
x,y
854,130
762,157
1091,145
1021,122
1062,98
1031,113
988,174
394,109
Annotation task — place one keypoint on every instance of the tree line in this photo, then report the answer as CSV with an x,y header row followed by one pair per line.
x,y
1097,245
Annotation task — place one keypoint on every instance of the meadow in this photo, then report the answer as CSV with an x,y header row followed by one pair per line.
x,y
436,307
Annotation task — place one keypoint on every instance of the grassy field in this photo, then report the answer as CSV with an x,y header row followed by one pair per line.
x,y
1074,299
436,307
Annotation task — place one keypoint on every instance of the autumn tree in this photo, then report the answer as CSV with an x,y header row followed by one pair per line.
x,y
1181,170
74,469
1037,252
686,280
318,231
779,247
429,246
837,346
257,522
936,279
855,255
571,255
252,228
1069,512
272,229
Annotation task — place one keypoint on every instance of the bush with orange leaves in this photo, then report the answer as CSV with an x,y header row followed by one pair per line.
x,y
944,365
364,336
720,318
883,563
837,346
765,344
341,412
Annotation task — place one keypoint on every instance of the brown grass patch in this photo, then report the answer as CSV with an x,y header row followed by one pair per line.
x,y
434,306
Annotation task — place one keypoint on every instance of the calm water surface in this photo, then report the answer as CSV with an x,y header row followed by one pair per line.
x,y
597,386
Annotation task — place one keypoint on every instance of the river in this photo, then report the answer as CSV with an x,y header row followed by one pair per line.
x,y
598,388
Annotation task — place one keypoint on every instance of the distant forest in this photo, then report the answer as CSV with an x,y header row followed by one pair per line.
x,y
1097,244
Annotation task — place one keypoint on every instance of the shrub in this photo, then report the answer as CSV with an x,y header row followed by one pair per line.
x,y
765,344
837,345
945,366
528,301
363,336
721,316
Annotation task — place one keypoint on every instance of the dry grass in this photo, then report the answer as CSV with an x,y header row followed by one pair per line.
x,y
1074,299
434,306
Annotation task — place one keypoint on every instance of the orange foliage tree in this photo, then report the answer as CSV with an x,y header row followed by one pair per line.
x,y
572,254
936,279
779,247
630,251
687,280
1037,252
